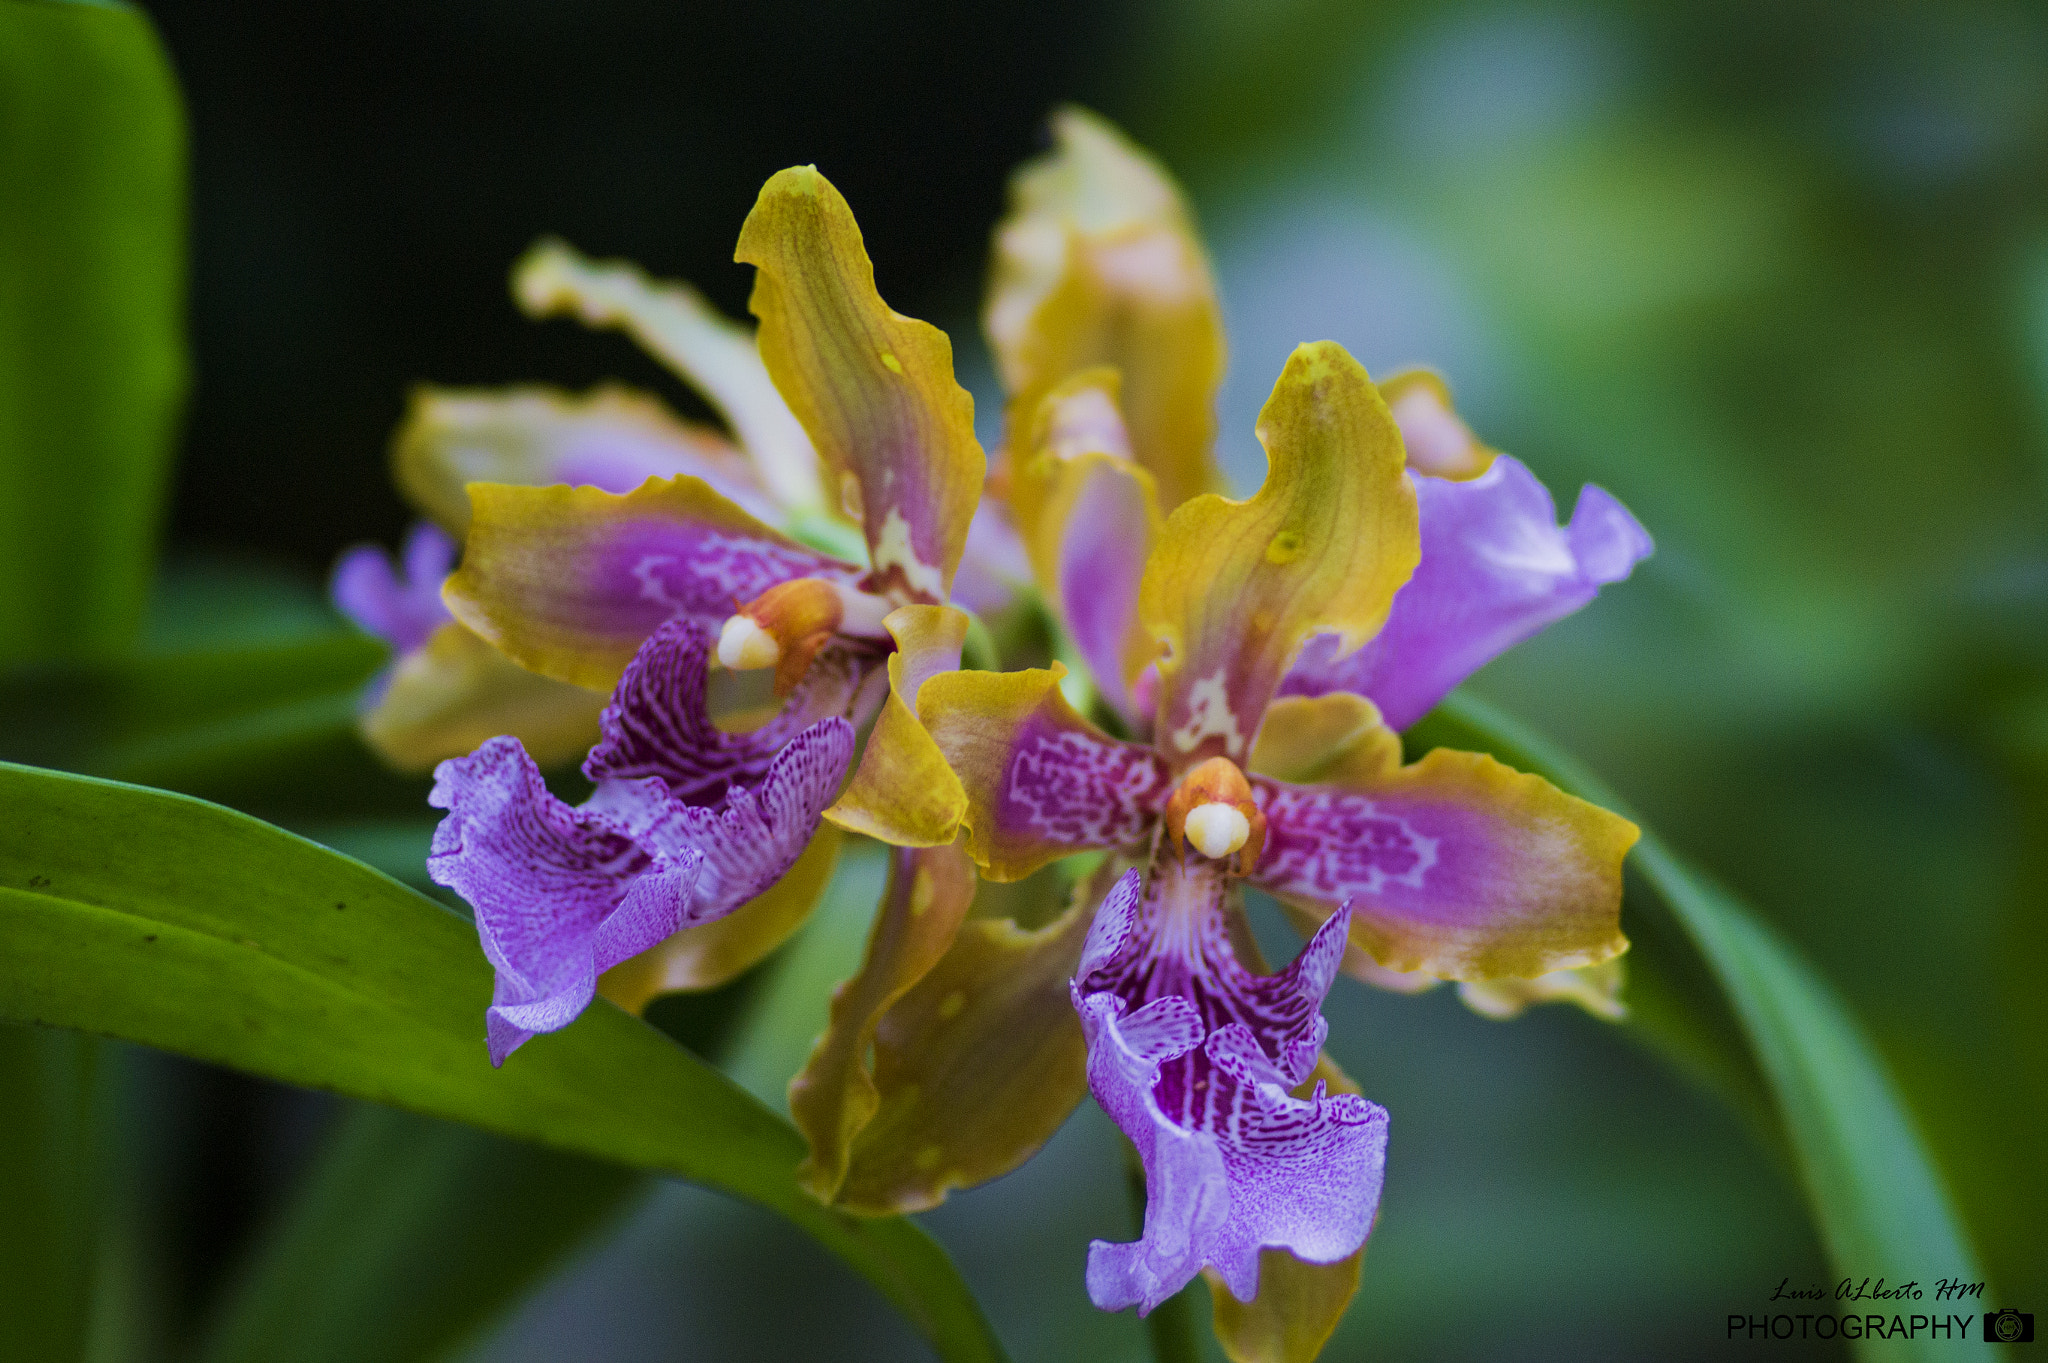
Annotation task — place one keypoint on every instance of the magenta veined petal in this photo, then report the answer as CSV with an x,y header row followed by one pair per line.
x,y
1101,562
651,570
1496,569
754,835
1457,865
659,724
547,883
1194,1057
563,893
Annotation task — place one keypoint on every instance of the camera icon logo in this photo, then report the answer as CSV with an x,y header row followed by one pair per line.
x,y
2009,1327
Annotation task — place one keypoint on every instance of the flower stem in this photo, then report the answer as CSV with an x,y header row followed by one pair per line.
x,y
1171,1326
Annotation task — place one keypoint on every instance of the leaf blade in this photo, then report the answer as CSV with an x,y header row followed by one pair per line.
x,y
409,1236
1874,1191
92,348
50,1139
192,928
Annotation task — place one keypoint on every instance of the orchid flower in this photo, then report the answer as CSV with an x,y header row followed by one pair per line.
x,y
1455,865
1102,302
953,1053
580,584
1089,476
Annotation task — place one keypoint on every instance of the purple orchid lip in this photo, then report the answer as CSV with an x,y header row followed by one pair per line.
x,y
1194,1058
685,825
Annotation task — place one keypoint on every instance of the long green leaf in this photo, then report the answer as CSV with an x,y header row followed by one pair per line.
x,y
239,724
139,713
92,296
409,1236
1875,1193
165,920
49,1216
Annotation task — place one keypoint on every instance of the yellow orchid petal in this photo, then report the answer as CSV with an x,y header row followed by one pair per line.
x,y
977,1066
1595,988
1099,263
455,692
874,389
1299,1305
1078,418
1041,782
1438,441
570,581
1235,588
611,437
710,954
1336,738
715,356
834,1096
1089,518
904,792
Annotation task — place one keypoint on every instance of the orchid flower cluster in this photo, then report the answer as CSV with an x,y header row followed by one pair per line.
x,y
1240,672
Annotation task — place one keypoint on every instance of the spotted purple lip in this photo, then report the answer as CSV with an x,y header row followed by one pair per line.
x,y
1195,1059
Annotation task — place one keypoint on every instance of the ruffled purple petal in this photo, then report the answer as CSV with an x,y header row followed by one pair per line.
x,y
401,605
1187,1185
546,881
1194,1058
564,893
1496,569
658,723
756,834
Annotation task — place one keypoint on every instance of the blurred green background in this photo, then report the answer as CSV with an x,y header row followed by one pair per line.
x,y
1774,274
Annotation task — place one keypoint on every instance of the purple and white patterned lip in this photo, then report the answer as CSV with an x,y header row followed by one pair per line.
x,y
659,722
1496,569
398,602
1194,1058
678,832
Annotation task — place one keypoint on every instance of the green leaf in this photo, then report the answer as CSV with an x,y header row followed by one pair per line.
x,y
50,1165
92,296
202,931
241,724
1875,1193
410,1236
163,713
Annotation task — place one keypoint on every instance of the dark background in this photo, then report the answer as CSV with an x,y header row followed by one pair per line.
x,y
365,175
